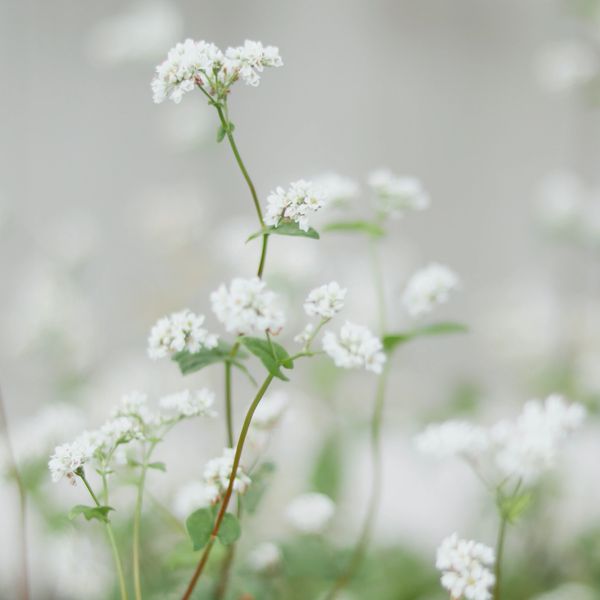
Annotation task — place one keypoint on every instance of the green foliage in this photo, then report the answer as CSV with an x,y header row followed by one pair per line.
x,y
367,227
327,472
272,355
286,228
261,477
230,530
159,466
222,131
393,340
512,507
199,526
91,512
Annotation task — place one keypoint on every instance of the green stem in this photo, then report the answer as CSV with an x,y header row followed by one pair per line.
x,y
111,537
227,497
228,407
379,287
499,553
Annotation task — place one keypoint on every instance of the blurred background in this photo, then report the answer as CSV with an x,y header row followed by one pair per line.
x,y
115,211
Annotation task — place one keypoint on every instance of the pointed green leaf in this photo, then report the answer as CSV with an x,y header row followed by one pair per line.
x,y
159,466
391,341
513,507
91,512
286,228
230,530
271,354
199,526
221,134
369,227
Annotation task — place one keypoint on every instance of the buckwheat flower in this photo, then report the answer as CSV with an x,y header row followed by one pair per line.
x,y
247,307
466,568
325,301
250,59
305,334
177,332
217,472
294,204
337,188
270,410
355,347
190,497
453,438
134,406
67,458
310,513
264,558
528,446
189,404
397,194
428,288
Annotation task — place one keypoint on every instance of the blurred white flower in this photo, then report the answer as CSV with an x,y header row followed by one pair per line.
x,y
465,567
177,332
355,347
337,188
560,200
325,301
310,513
397,194
247,307
67,458
135,404
428,288
294,204
139,33
270,410
217,472
565,65
264,557
189,404
453,438
190,497
305,334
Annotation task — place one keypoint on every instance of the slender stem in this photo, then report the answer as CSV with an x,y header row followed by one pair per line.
x,y
14,469
228,407
499,553
221,587
379,287
227,497
111,537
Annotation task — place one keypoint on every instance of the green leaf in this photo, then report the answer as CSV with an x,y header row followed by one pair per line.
x,y
260,481
271,354
91,512
221,134
328,468
369,227
159,466
199,526
391,341
513,507
230,530
286,228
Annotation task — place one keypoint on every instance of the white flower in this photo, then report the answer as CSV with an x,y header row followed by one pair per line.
x,y
190,497
217,473
190,404
528,446
177,332
265,557
337,189
310,513
305,334
427,288
465,568
294,205
355,347
453,438
396,194
270,410
250,59
67,458
247,307
134,405
325,301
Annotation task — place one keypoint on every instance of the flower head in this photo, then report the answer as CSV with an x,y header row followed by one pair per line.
x,y
325,301
177,332
427,288
310,513
247,307
67,459
355,347
465,568
189,404
217,472
396,195
453,438
295,204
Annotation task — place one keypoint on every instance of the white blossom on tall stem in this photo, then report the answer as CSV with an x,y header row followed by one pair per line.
x,y
397,194
217,472
453,438
355,347
310,513
67,459
247,307
428,288
188,404
294,204
177,332
465,567
325,301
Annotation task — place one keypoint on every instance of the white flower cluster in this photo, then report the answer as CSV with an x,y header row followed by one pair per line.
x,y
189,404
325,301
310,513
524,448
355,347
201,63
465,567
428,288
247,307
264,557
67,458
217,472
177,332
337,188
396,195
294,204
